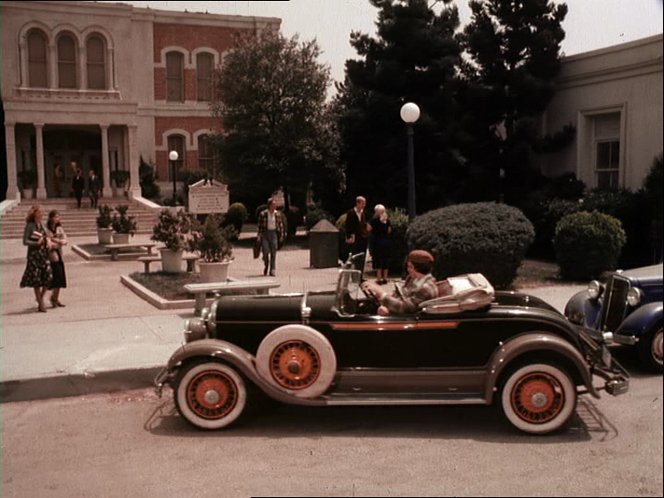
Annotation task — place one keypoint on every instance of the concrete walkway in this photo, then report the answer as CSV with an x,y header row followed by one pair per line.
x,y
107,338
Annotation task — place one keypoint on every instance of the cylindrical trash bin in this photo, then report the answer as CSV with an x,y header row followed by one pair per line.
x,y
323,245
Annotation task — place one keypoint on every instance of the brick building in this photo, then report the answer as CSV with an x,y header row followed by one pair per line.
x,y
106,84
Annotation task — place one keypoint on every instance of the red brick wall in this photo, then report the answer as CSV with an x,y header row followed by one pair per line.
x,y
192,37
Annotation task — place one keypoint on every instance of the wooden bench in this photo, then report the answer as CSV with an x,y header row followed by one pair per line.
x,y
114,249
200,290
189,258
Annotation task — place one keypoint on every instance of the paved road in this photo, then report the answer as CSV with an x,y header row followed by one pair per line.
x,y
133,444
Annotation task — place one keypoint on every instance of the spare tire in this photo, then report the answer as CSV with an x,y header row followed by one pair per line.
x,y
298,359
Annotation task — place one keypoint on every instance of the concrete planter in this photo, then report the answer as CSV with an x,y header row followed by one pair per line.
x,y
171,261
120,238
213,272
104,235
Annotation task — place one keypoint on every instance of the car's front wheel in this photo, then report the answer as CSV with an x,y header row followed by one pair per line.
x,y
650,350
209,394
538,398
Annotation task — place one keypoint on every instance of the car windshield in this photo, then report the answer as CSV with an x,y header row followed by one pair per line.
x,y
348,291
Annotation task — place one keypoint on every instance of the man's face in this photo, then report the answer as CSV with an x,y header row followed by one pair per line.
x,y
360,204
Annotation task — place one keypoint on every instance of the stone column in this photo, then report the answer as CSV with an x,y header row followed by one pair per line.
x,y
53,66
12,178
83,65
134,184
106,173
41,184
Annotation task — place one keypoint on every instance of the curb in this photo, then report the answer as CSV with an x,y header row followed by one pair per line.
x,y
62,386
156,300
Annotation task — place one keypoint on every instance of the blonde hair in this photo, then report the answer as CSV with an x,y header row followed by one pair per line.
x,y
380,212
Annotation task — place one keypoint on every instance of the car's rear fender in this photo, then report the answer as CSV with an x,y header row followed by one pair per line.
x,y
538,346
641,320
235,356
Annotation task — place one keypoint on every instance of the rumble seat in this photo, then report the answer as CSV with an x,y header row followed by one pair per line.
x,y
460,293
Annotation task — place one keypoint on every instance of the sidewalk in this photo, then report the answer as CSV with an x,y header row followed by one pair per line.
x,y
107,338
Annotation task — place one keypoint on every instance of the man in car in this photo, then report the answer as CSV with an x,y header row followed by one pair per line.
x,y
419,286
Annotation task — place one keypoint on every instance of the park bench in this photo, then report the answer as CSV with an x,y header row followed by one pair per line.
x,y
189,258
114,249
200,290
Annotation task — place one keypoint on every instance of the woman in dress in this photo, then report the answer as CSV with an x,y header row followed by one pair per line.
x,y
37,272
58,239
381,235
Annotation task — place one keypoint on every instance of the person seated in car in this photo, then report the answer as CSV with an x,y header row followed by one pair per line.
x,y
419,286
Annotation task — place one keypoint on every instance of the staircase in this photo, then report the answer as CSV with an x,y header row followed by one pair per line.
x,y
76,222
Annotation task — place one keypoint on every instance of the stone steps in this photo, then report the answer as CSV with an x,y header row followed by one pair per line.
x,y
76,222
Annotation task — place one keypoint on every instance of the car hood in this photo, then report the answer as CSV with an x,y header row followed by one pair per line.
x,y
273,308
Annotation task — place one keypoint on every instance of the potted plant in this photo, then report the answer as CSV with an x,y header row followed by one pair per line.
x,y
123,225
120,178
28,179
104,221
211,242
171,229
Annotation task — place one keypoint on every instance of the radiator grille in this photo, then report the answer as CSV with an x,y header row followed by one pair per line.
x,y
615,303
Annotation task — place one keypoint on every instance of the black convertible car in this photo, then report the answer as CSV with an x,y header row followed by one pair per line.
x,y
473,346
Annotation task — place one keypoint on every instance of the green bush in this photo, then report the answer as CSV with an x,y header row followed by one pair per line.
x,y
544,214
588,243
236,215
315,213
483,237
399,249
652,193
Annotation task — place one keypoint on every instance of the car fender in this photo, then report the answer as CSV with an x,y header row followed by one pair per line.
x,y
583,310
528,343
235,356
641,320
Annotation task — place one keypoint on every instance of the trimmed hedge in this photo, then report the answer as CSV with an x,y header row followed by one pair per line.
x,y
587,244
484,237
236,215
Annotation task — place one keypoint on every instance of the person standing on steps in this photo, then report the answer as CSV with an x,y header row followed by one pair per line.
x,y
78,185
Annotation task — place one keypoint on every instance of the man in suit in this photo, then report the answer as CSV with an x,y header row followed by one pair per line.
x,y
357,229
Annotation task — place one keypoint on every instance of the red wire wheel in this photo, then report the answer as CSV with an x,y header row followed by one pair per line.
x,y
295,365
538,398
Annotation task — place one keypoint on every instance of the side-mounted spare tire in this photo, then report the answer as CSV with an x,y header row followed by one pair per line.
x,y
298,359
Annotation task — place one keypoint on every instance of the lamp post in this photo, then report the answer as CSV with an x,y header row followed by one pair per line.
x,y
409,114
173,156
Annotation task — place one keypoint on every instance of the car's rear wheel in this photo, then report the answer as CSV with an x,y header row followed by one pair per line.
x,y
298,359
650,350
538,398
209,394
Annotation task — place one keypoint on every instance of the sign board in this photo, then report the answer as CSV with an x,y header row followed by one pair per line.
x,y
208,197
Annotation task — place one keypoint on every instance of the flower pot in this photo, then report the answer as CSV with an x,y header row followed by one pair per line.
x,y
214,272
120,238
171,261
104,235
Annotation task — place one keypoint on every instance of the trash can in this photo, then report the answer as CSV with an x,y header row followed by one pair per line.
x,y
323,245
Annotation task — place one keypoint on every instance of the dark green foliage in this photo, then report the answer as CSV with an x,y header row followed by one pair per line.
x,y
28,178
189,177
120,177
315,213
171,229
399,249
414,57
211,241
587,244
270,98
104,219
485,237
652,192
149,187
545,213
236,216
513,59
122,222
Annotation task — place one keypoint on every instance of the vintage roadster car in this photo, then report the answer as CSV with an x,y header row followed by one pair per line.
x,y
627,307
331,348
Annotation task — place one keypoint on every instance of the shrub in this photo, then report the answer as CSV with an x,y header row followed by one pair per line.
x,y
147,180
122,223
399,248
652,193
315,213
171,229
104,219
120,177
588,243
483,237
211,241
545,214
236,216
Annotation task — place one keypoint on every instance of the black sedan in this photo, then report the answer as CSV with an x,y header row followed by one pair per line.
x,y
473,346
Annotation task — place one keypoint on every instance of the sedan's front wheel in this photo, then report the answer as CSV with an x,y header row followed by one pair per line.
x,y
210,395
538,398
650,350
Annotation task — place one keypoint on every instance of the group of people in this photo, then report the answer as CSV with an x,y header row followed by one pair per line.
x,y
78,183
45,268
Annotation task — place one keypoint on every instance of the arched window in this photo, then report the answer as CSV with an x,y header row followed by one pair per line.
x,y
37,59
174,77
66,61
205,153
96,67
204,74
176,143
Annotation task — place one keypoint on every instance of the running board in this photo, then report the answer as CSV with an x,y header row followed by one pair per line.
x,y
421,399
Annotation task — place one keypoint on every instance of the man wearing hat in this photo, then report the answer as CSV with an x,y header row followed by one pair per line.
x,y
419,286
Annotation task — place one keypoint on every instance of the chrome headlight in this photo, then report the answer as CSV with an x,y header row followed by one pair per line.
x,y
194,329
594,289
634,296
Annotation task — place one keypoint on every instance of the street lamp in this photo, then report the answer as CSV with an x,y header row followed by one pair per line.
x,y
173,156
409,114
